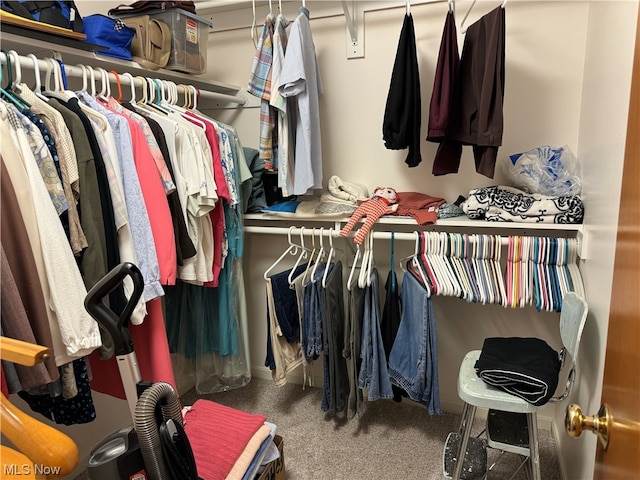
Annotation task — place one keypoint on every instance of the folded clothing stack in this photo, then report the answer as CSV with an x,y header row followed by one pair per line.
x,y
341,197
526,367
224,440
508,204
340,200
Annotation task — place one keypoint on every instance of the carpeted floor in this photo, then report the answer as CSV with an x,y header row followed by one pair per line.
x,y
389,441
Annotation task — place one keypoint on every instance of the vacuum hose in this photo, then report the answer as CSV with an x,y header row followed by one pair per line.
x,y
146,425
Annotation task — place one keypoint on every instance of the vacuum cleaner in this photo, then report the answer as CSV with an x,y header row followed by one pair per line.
x,y
155,447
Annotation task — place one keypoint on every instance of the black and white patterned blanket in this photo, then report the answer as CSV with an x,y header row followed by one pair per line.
x,y
508,204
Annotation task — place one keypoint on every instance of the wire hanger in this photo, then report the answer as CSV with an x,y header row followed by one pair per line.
x,y
464,19
253,24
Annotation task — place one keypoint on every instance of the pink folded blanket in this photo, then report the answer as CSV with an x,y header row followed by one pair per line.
x,y
218,436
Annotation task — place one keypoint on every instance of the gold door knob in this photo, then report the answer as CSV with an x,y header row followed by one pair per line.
x,y
575,422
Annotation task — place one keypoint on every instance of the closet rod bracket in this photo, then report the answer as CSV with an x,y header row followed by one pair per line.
x,y
354,17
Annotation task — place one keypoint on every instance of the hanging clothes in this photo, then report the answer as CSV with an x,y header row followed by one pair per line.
x,y
352,344
22,264
413,362
77,333
373,374
336,382
402,115
476,116
260,85
284,107
94,257
68,163
444,81
390,320
300,78
284,351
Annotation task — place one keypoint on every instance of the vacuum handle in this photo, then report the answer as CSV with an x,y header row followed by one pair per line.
x,y
116,326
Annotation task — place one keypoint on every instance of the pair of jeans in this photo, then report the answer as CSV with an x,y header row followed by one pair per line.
x,y
312,316
413,362
373,371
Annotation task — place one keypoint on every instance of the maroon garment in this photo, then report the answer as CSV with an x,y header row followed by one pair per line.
x,y
422,207
476,116
444,81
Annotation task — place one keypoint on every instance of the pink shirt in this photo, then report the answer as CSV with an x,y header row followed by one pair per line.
x,y
157,205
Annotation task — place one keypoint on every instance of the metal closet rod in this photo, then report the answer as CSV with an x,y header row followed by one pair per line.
x,y
74,71
335,233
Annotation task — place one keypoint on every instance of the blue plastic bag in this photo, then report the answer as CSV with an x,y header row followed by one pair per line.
x,y
546,170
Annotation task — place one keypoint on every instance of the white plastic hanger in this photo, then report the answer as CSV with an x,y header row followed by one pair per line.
x,y
132,84
53,70
319,257
362,276
92,78
84,78
37,89
330,256
415,263
17,79
353,267
364,279
303,255
292,249
311,255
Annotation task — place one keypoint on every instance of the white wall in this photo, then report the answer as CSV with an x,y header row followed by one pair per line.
x,y
603,127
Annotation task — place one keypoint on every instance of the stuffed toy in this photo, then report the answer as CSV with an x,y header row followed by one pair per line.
x,y
382,202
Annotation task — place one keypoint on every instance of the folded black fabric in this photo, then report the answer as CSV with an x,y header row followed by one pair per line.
x,y
526,367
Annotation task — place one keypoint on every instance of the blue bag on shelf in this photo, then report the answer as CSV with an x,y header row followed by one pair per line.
x,y
111,33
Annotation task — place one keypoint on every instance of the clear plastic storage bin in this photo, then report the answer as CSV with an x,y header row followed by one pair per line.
x,y
188,39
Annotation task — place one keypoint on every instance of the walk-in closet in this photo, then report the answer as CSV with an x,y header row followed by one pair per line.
x,y
568,69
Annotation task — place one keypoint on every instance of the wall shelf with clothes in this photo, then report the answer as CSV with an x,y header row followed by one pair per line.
x,y
215,94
